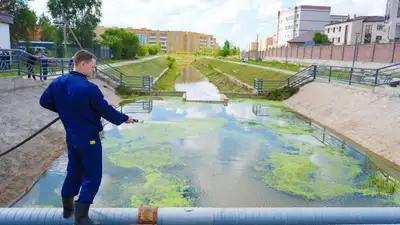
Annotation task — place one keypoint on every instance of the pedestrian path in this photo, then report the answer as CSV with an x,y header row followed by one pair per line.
x,y
257,66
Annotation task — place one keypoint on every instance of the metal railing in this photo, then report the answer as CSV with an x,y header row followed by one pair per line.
x,y
389,75
15,62
304,76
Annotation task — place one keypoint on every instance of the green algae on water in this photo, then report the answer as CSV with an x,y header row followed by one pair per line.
x,y
319,173
162,190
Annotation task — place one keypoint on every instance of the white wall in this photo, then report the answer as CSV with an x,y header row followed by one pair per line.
x,y
5,41
392,8
375,31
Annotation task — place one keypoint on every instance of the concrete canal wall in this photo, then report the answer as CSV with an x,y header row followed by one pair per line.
x,y
370,119
21,116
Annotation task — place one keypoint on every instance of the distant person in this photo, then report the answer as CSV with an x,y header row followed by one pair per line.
x,y
30,64
80,105
45,64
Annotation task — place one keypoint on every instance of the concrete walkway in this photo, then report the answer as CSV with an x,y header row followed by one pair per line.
x,y
257,66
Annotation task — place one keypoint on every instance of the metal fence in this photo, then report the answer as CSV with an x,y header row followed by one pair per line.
x,y
389,75
16,62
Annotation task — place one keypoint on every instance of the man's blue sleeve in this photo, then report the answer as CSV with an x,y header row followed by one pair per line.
x,y
104,109
46,100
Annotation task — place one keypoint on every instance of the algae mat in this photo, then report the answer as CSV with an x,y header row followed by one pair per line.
x,y
246,154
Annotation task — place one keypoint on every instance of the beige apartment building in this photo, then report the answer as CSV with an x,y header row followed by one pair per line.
x,y
170,41
263,44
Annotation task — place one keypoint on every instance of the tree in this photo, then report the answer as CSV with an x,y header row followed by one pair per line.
x,y
47,31
124,44
226,49
320,38
153,49
82,16
143,50
24,18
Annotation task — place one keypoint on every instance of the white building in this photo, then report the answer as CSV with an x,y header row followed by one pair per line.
x,y
392,21
364,29
303,18
5,21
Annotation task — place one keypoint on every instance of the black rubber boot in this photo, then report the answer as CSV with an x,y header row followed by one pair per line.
x,y
82,214
68,207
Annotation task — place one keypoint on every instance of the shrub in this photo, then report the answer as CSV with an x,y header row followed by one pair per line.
x,y
282,93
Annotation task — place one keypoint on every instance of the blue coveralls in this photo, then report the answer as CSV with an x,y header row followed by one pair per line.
x,y
80,105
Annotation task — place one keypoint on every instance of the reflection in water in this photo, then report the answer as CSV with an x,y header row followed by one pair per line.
x,y
196,86
240,155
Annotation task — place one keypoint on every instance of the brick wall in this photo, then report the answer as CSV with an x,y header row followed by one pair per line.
x,y
367,52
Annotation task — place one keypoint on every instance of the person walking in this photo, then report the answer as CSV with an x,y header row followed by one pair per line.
x,y
45,64
30,64
80,105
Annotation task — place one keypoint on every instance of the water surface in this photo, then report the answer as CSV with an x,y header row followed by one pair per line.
x,y
245,154
196,86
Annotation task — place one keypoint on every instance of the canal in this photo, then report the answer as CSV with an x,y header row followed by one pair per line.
x,y
246,154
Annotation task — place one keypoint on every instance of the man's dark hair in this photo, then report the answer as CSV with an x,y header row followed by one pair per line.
x,y
83,56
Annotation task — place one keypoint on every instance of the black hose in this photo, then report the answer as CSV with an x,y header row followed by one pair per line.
x,y
30,137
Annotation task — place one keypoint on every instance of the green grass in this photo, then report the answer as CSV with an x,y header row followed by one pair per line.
x,y
151,67
273,64
167,81
223,83
110,61
244,73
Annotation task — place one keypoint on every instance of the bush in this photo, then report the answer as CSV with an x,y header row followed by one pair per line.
x,y
123,90
282,93
143,50
170,61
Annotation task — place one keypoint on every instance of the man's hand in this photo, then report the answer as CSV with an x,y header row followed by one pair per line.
x,y
130,120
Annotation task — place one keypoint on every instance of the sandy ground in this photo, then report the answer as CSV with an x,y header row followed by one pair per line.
x,y
21,116
370,119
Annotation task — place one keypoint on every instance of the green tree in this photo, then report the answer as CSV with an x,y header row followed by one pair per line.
x,y
153,49
226,49
320,38
143,50
82,16
47,31
124,44
24,18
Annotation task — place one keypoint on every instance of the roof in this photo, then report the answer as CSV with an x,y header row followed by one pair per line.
x,y
305,37
363,18
6,18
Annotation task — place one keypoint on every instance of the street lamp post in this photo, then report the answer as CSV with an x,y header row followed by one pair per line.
x,y
355,50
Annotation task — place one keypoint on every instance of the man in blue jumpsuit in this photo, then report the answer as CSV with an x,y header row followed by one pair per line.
x,y
80,105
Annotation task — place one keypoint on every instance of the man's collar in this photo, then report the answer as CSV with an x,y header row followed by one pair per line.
x,y
78,74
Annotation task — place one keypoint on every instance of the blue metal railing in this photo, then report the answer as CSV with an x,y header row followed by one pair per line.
x,y
15,62
209,216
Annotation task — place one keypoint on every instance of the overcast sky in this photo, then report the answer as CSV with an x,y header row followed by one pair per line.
x,y
238,21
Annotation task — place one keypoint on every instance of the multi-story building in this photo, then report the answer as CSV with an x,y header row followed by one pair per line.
x,y
252,46
363,29
295,21
265,43
392,21
171,41
5,22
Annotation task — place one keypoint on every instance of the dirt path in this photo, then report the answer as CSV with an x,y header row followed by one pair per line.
x,y
21,116
370,119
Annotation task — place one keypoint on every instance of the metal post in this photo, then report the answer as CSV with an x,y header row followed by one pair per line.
x,y
355,49
376,79
19,63
330,73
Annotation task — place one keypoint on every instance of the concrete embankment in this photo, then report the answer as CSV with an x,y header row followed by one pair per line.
x,y
370,119
21,116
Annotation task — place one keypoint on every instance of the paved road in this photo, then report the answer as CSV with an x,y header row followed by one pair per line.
x,y
257,66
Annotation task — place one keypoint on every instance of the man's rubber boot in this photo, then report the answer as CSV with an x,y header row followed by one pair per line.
x,y
82,214
68,207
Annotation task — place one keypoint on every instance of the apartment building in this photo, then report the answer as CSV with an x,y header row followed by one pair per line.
x,y
265,43
293,22
252,46
171,41
392,21
364,29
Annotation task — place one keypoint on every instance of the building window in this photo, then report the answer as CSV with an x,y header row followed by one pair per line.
x,y
379,27
334,29
368,33
340,29
338,40
328,30
297,16
378,39
297,25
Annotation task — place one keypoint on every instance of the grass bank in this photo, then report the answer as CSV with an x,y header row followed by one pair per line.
x,y
246,74
274,64
151,67
223,83
167,81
